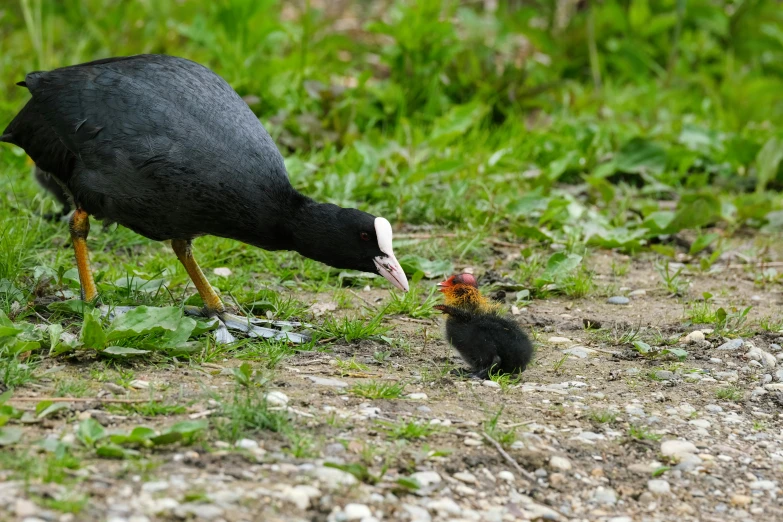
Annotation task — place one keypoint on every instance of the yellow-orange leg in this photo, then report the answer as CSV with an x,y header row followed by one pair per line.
x,y
184,252
79,226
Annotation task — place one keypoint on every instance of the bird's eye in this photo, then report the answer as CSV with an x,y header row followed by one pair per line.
x,y
365,236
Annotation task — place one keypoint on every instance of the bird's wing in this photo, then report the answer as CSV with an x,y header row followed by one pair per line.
x,y
143,109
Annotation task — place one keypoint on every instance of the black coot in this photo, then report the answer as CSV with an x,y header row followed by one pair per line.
x,y
165,147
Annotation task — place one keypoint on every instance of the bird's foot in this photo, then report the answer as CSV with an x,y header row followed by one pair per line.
x,y
251,327
465,373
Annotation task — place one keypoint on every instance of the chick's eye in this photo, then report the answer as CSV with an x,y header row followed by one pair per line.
x,y
365,236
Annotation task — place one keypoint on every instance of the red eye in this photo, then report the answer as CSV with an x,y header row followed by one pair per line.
x,y
365,236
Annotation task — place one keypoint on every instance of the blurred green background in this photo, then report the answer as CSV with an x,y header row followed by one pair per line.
x,y
565,120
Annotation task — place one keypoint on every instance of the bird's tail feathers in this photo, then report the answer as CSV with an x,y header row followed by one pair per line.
x,y
6,137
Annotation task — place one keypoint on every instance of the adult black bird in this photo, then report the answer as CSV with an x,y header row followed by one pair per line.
x,y
165,147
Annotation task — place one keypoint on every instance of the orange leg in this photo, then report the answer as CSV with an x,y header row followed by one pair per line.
x,y
80,228
184,251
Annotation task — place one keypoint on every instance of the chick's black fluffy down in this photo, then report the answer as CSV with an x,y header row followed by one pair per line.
x,y
488,341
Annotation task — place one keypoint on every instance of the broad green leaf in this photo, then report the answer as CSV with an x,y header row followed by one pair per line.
x,y
703,242
430,268
10,435
188,429
72,306
9,331
5,321
408,483
123,351
5,396
92,334
139,284
11,292
767,162
144,320
703,210
639,156
45,408
181,335
642,347
456,122
658,222
677,352
558,265
90,432
170,437
113,451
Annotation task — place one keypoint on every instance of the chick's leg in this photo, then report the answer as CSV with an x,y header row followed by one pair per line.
x,y
79,226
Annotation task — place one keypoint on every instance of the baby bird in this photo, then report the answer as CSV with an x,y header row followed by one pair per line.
x,y
475,327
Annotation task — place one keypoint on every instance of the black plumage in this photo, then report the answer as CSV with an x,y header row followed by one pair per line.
x,y
165,147
487,342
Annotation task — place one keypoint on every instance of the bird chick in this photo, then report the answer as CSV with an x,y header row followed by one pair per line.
x,y
477,329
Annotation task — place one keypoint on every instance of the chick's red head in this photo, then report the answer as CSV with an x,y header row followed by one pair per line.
x,y
455,280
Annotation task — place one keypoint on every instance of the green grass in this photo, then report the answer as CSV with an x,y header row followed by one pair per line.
x,y
643,433
378,390
603,416
246,414
729,393
411,430
147,409
354,329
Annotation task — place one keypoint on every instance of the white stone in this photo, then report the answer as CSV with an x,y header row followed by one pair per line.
x,y
155,486
762,484
695,337
581,352
658,487
559,463
333,478
464,476
418,396
300,496
677,448
139,384
559,340
247,444
416,513
322,381
507,476
222,271
426,478
444,505
276,398
356,511
490,384
604,495
700,423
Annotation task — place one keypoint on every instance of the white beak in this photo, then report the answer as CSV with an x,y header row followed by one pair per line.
x,y
387,264
390,268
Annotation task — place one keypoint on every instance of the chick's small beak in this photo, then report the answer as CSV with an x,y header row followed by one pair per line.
x,y
390,268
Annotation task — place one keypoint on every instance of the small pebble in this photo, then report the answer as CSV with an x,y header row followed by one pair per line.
x,y
490,384
466,477
356,511
222,271
658,487
426,478
507,476
559,463
559,340
734,344
618,300
418,396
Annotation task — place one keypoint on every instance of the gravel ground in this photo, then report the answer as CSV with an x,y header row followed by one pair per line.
x,y
604,434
